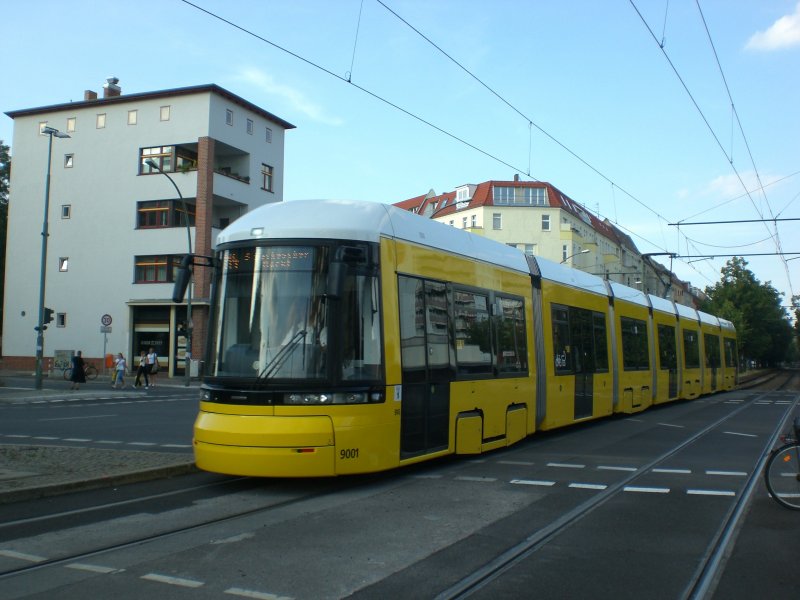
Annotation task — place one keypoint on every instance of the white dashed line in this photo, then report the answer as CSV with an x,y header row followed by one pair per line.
x,y
646,490
481,479
11,435
533,482
142,444
588,486
93,568
566,465
752,435
520,463
77,440
710,493
673,471
176,445
671,425
431,476
613,468
728,473
256,595
22,556
179,581
110,442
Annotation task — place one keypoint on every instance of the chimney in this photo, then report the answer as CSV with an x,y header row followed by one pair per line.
x,y
111,89
516,176
89,95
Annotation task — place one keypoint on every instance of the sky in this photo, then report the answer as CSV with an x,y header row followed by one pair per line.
x,y
647,112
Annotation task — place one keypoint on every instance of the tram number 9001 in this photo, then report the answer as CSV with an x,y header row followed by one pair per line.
x,y
348,453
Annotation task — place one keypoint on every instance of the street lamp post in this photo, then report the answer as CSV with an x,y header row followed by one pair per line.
x,y
50,132
189,324
584,251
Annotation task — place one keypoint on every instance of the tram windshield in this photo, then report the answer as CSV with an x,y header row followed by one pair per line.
x,y
279,317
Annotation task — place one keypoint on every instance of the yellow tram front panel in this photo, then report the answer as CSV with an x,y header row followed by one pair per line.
x,y
297,441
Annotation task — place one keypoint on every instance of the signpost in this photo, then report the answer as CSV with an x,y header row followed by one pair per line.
x,y
105,329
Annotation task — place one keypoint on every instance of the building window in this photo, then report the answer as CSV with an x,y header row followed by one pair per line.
x,y
564,254
462,194
61,319
267,176
101,121
519,196
452,223
497,221
156,269
71,125
530,249
164,113
63,264
133,115
163,213
66,211
228,116
545,222
464,222
474,221
168,158
68,159
269,135
250,126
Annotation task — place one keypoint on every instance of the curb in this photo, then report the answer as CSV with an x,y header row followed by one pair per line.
x,y
55,489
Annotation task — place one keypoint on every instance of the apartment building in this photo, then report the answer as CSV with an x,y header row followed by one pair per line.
x,y
118,228
539,219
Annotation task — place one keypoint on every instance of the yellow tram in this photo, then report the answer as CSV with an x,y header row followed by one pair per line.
x,y
352,337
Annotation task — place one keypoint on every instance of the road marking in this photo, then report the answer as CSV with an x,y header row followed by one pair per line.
x,y
142,444
94,568
179,581
671,425
45,437
588,486
728,473
673,471
11,435
482,479
77,440
752,435
176,445
646,490
432,476
613,468
710,493
22,556
110,442
76,418
522,463
256,595
533,482
566,465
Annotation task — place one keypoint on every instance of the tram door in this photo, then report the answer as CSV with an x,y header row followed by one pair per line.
x,y
426,366
581,332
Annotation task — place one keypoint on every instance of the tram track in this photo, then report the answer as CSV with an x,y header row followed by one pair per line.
x,y
708,569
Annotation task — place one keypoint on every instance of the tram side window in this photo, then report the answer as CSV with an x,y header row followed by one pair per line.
x,y
561,341
512,355
691,349
667,350
412,328
472,332
635,356
730,353
712,350
600,343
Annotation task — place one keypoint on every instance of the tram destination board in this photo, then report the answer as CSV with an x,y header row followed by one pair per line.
x,y
275,258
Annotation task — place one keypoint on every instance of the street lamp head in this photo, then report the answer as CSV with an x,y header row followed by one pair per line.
x,y
152,164
47,130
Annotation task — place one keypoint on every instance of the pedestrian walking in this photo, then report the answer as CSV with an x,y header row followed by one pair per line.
x,y
152,366
142,370
78,375
120,366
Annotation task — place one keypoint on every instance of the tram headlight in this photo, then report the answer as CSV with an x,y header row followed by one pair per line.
x,y
303,399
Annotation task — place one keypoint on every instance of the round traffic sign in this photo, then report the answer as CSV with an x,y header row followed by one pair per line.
x,y
106,320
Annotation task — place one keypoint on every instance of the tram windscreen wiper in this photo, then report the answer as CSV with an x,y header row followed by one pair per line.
x,y
282,356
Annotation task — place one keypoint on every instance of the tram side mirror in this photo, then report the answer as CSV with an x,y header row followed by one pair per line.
x,y
182,278
346,257
335,276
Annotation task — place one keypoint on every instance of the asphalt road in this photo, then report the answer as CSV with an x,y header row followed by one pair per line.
x,y
624,507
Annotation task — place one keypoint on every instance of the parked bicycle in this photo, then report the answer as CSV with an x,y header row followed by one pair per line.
x,y
782,472
90,370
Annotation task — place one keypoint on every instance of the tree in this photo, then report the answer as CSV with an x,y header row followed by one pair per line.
x,y
763,328
5,174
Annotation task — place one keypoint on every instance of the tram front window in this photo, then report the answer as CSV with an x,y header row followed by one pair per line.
x,y
277,320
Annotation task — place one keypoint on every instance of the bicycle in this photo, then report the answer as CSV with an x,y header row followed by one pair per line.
x,y
90,371
782,471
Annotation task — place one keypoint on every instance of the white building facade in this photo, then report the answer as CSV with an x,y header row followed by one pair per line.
x,y
117,226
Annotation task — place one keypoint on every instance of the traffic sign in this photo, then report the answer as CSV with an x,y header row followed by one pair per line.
x,y
105,329
105,320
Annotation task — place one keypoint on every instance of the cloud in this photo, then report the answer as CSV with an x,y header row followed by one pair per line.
x,y
784,33
294,97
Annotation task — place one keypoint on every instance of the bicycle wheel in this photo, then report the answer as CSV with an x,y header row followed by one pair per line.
x,y
782,475
91,372
68,373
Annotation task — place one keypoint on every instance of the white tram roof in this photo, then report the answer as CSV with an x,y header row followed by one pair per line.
x,y
708,319
623,292
687,312
565,275
662,304
365,221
